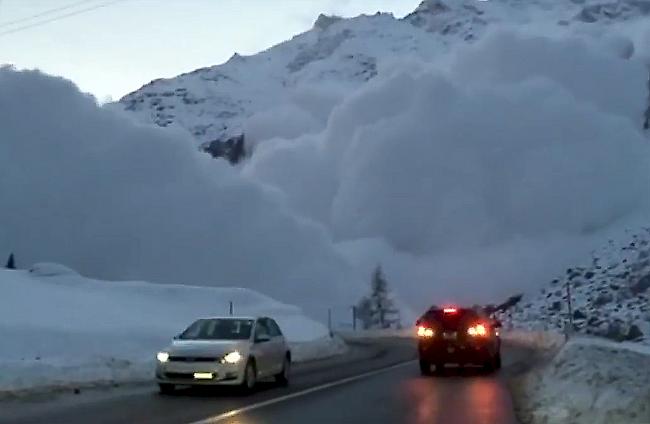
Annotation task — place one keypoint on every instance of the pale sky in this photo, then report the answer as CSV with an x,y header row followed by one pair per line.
x,y
115,49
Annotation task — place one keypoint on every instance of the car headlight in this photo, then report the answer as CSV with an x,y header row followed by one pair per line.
x,y
163,357
232,358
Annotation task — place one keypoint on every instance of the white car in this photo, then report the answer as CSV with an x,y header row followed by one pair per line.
x,y
235,351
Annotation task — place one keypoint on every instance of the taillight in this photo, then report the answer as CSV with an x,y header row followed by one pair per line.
x,y
479,330
450,310
425,332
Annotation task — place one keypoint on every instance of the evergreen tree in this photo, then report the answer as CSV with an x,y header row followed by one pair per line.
x,y
11,263
364,312
378,310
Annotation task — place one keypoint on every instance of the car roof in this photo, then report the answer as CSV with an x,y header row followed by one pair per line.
x,y
436,311
251,317
461,309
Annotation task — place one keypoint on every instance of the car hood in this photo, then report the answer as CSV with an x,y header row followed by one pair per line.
x,y
206,348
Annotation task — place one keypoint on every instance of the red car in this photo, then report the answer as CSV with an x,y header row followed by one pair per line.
x,y
460,336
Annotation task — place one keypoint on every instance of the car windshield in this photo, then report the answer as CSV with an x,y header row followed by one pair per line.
x,y
218,329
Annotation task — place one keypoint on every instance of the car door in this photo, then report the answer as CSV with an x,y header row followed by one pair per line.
x,y
263,348
277,345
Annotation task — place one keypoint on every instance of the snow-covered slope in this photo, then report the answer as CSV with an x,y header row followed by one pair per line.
x,y
589,381
338,55
610,294
59,328
214,102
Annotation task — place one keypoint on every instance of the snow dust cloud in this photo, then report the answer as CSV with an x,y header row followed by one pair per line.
x,y
469,178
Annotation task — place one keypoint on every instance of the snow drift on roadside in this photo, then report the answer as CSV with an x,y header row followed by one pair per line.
x,y
61,328
589,381
83,186
477,174
538,340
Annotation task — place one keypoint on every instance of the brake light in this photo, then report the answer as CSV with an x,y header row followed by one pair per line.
x,y
479,330
450,310
425,332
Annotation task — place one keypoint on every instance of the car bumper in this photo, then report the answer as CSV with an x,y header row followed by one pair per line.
x,y
457,353
184,374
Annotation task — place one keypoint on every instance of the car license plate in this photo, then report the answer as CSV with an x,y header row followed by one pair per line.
x,y
451,350
203,376
449,336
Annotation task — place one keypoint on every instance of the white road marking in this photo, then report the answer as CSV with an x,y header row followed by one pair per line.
x,y
226,415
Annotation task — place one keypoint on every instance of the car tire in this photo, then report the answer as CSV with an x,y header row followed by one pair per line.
x,y
282,379
250,377
497,361
425,367
490,365
166,389
440,368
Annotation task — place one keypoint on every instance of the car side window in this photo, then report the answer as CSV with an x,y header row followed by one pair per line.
x,y
275,328
262,329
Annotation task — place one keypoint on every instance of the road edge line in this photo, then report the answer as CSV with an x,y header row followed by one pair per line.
x,y
230,414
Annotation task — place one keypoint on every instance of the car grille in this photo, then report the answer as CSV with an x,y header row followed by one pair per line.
x,y
191,359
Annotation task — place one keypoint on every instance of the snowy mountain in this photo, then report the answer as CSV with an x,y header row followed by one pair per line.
x,y
338,55
610,296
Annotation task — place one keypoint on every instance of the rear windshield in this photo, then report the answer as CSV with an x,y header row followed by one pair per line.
x,y
218,329
455,321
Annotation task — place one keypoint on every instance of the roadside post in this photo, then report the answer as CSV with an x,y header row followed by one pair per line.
x,y
329,321
569,328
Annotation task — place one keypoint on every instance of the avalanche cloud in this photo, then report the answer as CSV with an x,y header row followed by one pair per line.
x,y
485,171
85,187
478,174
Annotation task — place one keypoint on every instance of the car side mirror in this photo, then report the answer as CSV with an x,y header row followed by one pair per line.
x,y
261,338
176,337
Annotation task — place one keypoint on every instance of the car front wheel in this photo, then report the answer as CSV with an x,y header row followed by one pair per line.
x,y
250,377
166,389
283,377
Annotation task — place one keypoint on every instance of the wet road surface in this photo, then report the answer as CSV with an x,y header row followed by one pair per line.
x,y
380,385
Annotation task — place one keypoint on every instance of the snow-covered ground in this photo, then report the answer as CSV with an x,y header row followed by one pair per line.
x,y
538,340
590,380
61,329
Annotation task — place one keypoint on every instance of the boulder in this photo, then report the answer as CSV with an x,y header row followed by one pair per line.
x,y
615,331
634,333
641,286
578,314
603,299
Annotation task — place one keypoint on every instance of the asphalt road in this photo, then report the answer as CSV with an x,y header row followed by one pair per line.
x,y
379,385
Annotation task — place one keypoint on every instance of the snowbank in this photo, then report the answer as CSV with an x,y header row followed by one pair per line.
x,y
591,381
377,333
63,329
539,340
